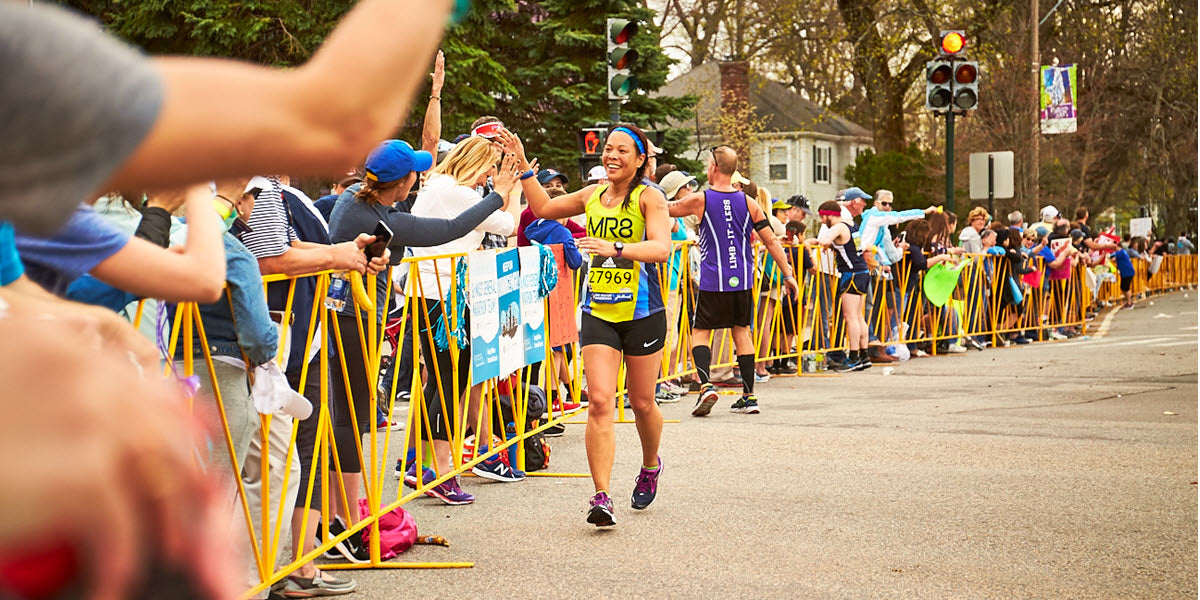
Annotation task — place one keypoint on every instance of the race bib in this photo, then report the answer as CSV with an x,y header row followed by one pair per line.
x,y
613,280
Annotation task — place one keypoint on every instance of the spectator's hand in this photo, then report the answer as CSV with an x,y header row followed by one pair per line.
x,y
885,268
931,210
107,466
956,250
793,287
512,145
439,74
505,180
349,255
380,264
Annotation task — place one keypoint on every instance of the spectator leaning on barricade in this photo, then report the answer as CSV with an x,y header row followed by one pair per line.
x,y
972,243
450,190
274,241
136,123
876,237
977,220
854,280
391,171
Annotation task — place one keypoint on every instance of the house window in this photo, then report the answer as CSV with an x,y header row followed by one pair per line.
x,y
777,163
822,159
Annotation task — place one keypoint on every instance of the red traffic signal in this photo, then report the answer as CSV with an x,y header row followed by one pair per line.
x,y
952,42
940,74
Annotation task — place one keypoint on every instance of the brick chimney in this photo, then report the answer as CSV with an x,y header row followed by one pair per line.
x,y
735,110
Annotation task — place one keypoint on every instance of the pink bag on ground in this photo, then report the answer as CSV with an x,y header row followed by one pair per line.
x,y
397,530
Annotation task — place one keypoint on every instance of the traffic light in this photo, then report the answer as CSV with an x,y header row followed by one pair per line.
x,y
966,85
938,96
620,58
951,81
591,141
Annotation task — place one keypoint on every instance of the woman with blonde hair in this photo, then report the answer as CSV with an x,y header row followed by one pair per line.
x,y
453,187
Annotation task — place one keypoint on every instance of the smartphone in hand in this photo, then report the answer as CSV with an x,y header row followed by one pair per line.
x,y
383,237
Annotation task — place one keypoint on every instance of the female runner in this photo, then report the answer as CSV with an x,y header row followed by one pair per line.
x,y
623,313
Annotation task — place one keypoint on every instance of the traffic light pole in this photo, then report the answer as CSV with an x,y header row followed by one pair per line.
x,y
950,160
614,111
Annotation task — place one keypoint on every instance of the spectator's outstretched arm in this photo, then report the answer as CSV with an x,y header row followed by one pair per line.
x,y
432,130
197,273
222,118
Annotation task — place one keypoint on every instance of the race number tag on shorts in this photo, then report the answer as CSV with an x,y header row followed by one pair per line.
x,y
613,280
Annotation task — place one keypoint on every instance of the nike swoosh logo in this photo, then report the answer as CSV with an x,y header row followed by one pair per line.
x,y
650,343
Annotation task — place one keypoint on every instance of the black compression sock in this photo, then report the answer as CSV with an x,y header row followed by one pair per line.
x,y
746,364
702,357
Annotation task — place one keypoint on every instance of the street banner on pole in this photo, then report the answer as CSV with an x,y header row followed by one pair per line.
x,y
1059,97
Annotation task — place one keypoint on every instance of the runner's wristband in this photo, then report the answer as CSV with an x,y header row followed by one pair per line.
x,y
527,175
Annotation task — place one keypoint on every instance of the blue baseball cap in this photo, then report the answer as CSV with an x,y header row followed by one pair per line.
x,y
395,159
854,194
546,175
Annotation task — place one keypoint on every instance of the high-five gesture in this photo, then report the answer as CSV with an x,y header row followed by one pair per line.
x,y
512,145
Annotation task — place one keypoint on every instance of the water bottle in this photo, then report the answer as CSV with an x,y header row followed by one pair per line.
x,y
339,287
510,432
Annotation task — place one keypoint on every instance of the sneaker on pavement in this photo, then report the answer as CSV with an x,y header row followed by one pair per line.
x,y
705,402
1054,335
496,470
563,406
666,397
762,377
975,344
449,492
1021,340
352,548
393,425
738,406
646,486
846,367
320,585
409,475
956,349
864,363
555,430
750,405
600,511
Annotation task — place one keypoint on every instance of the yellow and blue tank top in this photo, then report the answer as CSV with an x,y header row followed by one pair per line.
x,y
619,289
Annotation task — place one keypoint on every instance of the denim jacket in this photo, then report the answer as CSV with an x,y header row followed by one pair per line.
x,y
253,331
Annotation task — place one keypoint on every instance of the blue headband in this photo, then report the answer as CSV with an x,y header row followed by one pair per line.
x,y
637,141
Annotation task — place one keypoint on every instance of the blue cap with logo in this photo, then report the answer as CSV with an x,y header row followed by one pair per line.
x,y
545,175
855,193
395,159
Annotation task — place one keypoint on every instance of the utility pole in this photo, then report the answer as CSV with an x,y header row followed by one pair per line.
x,y
1036,65
950,161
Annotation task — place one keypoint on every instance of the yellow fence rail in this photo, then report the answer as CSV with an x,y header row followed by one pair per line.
x,y
808,325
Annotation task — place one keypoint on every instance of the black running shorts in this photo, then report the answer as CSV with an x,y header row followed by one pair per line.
x,y
722,310
1126,283
854,283
639,337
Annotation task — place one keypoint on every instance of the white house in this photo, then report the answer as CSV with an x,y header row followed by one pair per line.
x,y
800,147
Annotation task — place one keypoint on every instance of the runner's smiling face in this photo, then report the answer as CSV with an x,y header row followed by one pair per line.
x,y
621,157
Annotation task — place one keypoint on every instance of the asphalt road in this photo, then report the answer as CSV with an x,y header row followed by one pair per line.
x,y
1054,470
